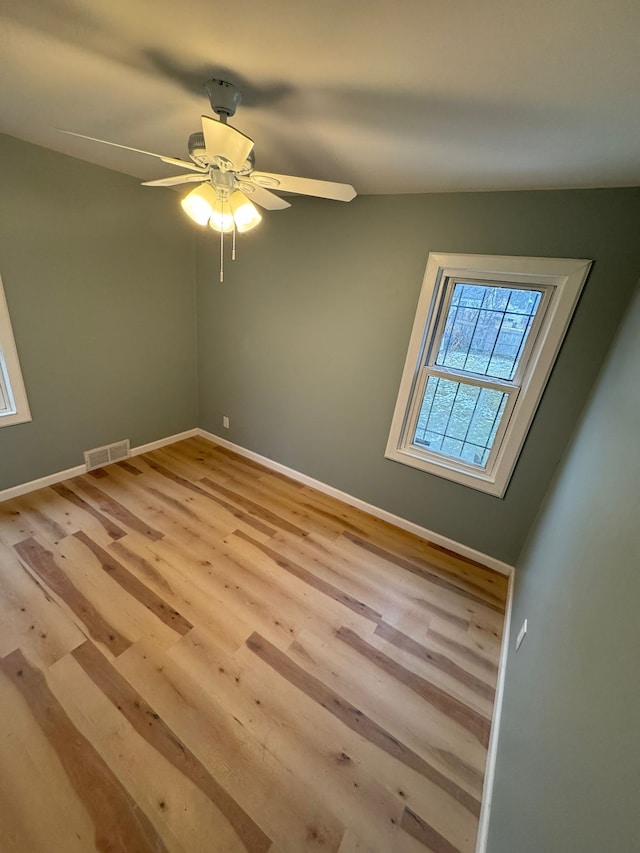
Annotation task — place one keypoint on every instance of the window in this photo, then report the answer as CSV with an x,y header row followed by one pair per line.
x,y
486,335
14,408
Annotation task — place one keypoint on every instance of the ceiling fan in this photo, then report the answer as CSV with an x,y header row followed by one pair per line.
x,y
222,164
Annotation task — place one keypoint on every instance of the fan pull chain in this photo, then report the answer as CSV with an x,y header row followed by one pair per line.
x,y
221,256
233,244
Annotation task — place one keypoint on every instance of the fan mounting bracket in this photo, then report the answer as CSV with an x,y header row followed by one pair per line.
x,y
224,97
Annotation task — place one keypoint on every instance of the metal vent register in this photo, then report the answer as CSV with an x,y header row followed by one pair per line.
x,y
100,456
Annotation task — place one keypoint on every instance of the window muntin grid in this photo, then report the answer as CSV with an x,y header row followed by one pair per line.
x,y
486,329
459,420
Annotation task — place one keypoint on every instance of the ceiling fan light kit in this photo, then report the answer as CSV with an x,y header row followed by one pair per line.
x,y
222,164
221,210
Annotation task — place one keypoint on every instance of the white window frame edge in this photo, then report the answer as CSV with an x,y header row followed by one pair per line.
x,y
566,277
10,366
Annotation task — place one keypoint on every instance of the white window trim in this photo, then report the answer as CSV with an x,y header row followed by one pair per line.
x,y
10,373
561,280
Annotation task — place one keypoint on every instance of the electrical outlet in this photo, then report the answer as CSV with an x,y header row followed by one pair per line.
x,y
225,422
521,635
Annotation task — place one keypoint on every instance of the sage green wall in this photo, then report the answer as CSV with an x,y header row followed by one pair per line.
x,y
303,345
568,769
99,278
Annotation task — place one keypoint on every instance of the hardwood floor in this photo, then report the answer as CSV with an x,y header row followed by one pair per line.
x,y
197,654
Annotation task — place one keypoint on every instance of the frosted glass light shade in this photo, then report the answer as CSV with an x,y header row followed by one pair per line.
x,y
199,203
221,217
245,214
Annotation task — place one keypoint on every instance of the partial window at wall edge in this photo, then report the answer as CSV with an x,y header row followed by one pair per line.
x,y
14,406
486,335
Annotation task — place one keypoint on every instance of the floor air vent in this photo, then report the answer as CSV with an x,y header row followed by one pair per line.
x,y
100,456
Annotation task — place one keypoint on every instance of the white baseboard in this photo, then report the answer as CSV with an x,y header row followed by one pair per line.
x,y
377,512
61,476
163,442
42,482
410,526
492,752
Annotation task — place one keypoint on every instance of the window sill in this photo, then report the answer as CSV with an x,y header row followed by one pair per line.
x,y
480,481
14,418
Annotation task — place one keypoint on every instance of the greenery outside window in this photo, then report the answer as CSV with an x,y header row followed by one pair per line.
x,y
486,335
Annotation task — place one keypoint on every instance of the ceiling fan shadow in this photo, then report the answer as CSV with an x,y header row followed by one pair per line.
x,y
421,112
192,78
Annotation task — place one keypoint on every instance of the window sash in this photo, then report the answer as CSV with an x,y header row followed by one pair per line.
x,y
443,299
430,349
408,444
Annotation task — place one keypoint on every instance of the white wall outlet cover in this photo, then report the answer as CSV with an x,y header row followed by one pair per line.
x,y
225,422
521,635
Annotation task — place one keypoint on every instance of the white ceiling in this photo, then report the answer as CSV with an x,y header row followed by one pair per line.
x,y
412,96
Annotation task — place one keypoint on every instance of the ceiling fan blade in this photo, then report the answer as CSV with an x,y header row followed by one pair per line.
x,y
263,197
184,164
178,179
303,186
222,140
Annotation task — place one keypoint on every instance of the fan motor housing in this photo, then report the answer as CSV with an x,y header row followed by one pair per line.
x,y
196,144
224,96
198,153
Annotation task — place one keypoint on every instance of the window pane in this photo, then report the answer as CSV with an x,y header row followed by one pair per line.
x,y
4,396
486,329
459,420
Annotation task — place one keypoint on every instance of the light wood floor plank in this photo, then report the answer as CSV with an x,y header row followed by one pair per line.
x,y
31,619
249,767
313,746
38,799
119,823
182,815
200,654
